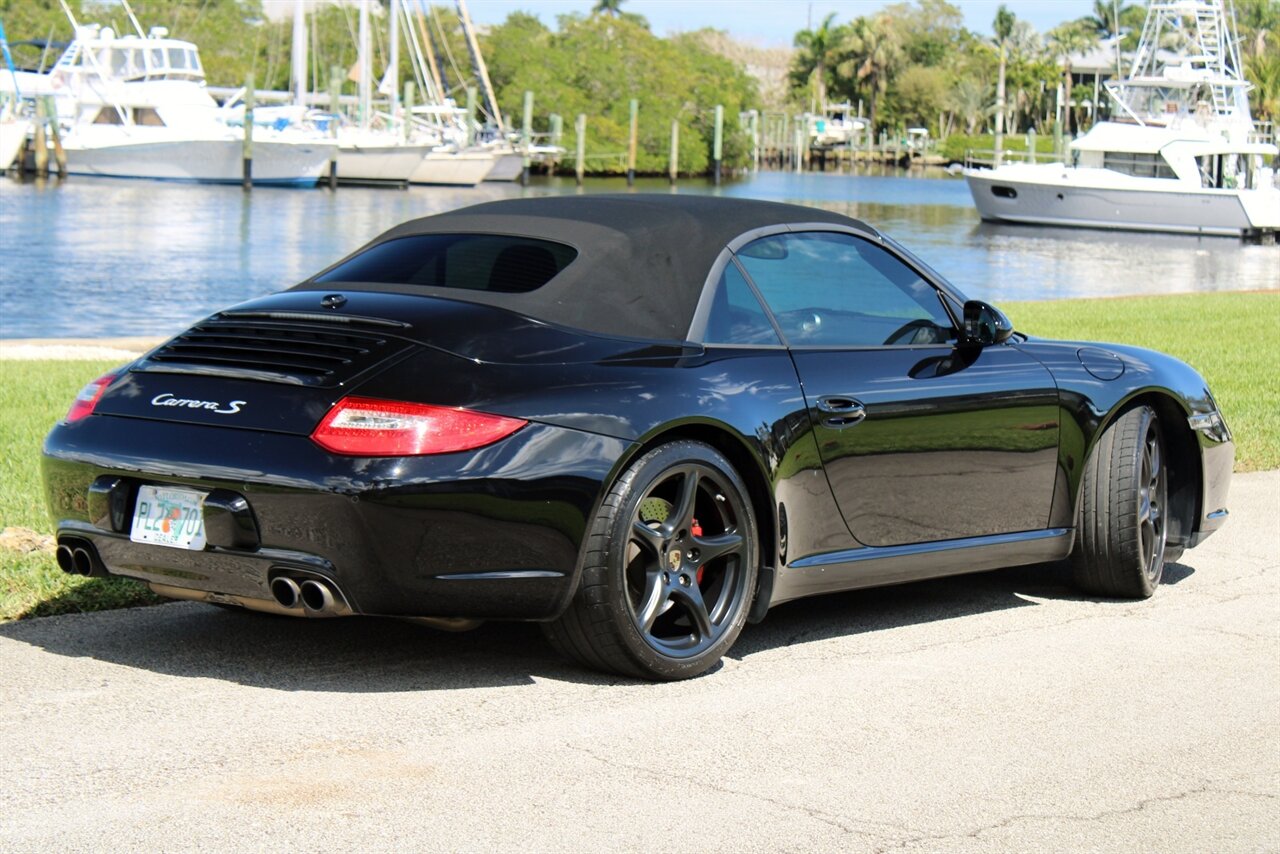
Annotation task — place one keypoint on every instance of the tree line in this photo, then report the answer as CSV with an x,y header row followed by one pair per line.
x,y
908,64
916,64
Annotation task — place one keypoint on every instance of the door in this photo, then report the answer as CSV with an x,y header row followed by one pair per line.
x,y
921,440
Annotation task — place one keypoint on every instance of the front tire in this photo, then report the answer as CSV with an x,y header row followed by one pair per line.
x,y
1120,540
669,571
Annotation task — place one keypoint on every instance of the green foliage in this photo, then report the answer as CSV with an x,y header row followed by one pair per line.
x,y
33,396
920,94
595,65
954,146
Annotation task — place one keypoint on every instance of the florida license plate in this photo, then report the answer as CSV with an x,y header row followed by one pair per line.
x,y
165,516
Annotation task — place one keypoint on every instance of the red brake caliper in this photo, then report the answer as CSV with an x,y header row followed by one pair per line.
x,y
696,530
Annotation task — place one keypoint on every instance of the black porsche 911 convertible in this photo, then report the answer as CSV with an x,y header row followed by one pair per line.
x,y
640,420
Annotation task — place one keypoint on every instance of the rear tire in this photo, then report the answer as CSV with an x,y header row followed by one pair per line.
x,y
670,566
1120,539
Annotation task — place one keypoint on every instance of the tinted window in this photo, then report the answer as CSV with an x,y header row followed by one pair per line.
x,y
474,262
829,289
736,315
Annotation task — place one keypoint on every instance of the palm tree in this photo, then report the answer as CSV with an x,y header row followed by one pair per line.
x,y
612,8
1066,41
1109,18
876,54
815,54
971,101
1263,70
1003,26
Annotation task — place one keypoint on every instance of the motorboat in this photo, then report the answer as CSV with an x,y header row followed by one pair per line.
x,y
1182,154
137,107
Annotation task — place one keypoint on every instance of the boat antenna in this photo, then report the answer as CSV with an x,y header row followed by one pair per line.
x,y
133,18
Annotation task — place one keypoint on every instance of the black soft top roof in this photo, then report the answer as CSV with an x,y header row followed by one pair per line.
x,y
642,258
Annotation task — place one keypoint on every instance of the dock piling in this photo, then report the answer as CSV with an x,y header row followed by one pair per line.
x,y
247,181
40,142
55,135
335,98
580,129
631,145
673,170
410,95
526,135
717,145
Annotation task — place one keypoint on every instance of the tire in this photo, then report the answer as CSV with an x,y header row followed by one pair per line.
x,y
669,569
1120,546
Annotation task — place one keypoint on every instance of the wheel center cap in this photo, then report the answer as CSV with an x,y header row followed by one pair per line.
x,y
674,559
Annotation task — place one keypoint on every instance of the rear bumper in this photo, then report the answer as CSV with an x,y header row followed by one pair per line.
x,y
494,533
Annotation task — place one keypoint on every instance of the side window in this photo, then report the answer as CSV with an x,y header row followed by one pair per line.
x,y
736,315
836,290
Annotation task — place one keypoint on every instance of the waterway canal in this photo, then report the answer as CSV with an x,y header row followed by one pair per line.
x,y
100,257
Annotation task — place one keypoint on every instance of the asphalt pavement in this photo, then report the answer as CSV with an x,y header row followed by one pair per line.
x,y
993,712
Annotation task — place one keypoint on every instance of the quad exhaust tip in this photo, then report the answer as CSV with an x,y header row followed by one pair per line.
x,y
78,557
286,592
317,597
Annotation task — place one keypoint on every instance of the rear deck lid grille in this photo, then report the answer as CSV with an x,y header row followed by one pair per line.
x,y
299,348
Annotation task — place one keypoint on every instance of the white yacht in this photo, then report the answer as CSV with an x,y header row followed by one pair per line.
x,y
1182,155
135,107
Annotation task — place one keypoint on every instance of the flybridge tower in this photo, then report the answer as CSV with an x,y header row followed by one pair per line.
x,y
1187,65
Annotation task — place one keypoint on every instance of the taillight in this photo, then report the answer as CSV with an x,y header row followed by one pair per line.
x,y
368,427
88,398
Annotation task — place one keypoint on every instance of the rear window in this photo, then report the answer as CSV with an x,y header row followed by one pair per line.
x,y
472,262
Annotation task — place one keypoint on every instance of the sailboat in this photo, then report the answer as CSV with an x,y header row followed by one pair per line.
x,y
368,154
1183,154
454,159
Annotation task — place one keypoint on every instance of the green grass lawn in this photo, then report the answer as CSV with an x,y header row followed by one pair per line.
x,y
33,395
1230,338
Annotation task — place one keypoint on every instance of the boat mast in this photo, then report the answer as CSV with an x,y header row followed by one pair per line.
x,y
392,78
299,53
366,66
477,60
430,52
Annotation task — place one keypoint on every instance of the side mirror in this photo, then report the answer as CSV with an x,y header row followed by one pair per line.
x,y
985,324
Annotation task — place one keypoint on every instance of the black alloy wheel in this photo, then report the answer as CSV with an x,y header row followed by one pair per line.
x,y
670,571
1121,538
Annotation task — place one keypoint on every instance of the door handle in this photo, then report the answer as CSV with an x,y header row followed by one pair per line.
x,y
841,411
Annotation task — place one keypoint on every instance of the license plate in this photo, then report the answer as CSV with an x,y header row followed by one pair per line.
x,y
165,516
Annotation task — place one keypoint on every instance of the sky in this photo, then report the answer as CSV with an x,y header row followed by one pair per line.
x,y
773,23
767,23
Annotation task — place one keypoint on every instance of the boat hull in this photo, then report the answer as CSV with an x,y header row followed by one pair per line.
x,y
380,164
12,135
1001,198
202,161
465,169
507,167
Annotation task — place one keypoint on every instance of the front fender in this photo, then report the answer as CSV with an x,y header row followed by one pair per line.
x,y
1097,383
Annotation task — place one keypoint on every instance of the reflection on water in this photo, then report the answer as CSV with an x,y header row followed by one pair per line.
x,y
102,257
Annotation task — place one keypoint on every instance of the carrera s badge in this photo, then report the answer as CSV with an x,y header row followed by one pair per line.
x,y
168,399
